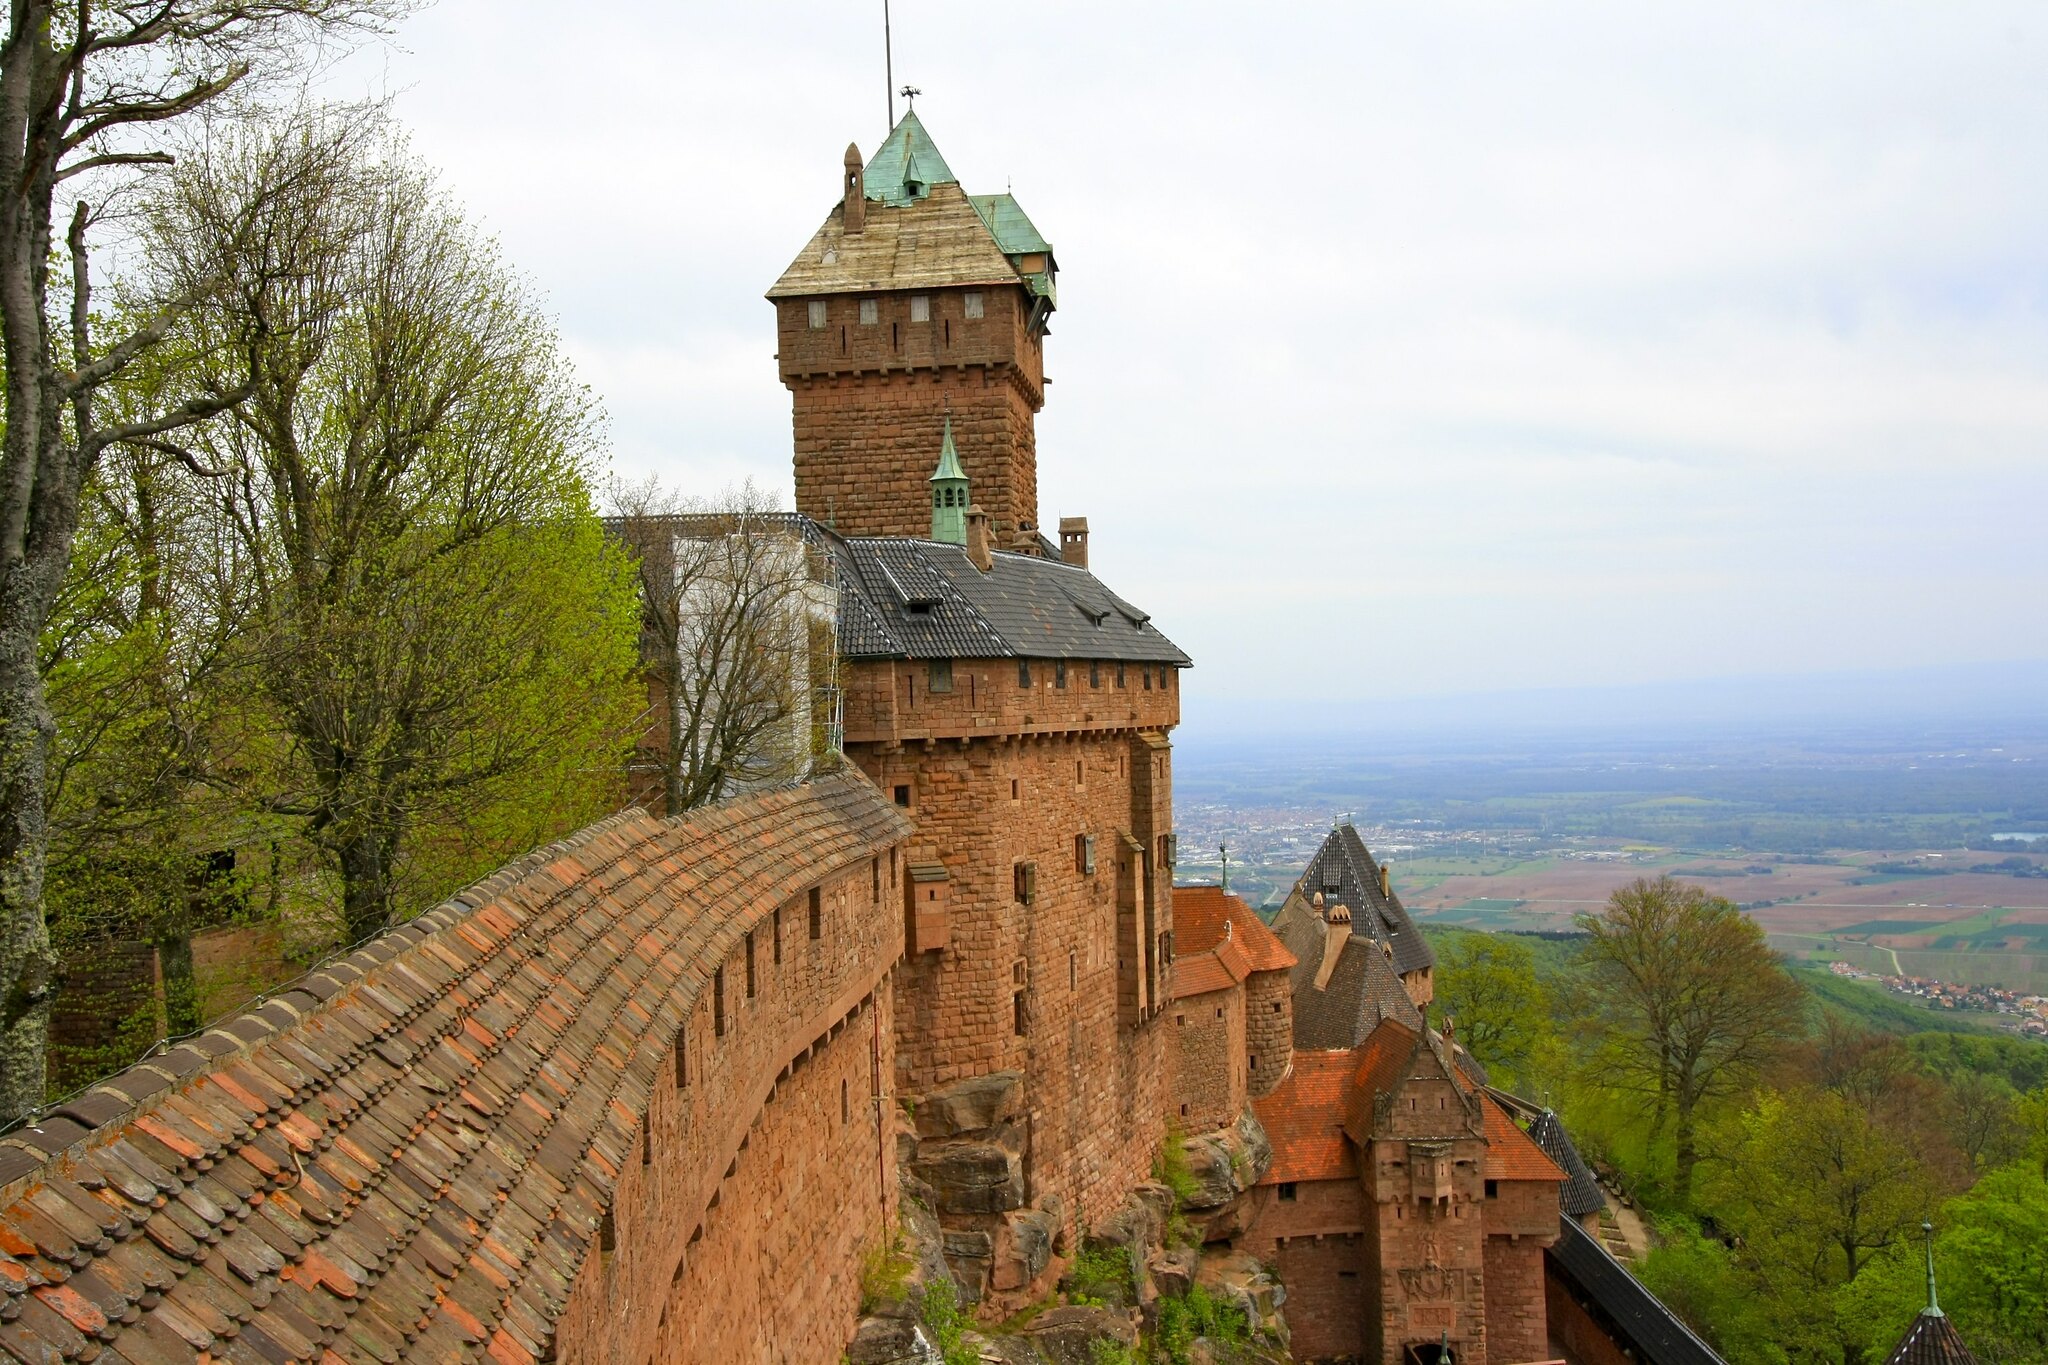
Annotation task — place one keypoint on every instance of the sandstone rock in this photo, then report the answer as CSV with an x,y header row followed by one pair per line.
x,y
1066,1336
890,1341
1172,1272
968,1176
1155,1197
1227,1162
1132,1225
970,1256
970,1106
1239,1278
1024,1247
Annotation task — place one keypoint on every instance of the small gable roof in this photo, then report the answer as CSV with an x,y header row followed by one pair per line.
x,y
1204,916
1304,1119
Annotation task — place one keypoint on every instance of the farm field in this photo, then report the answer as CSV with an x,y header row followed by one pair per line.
x,y
1985,928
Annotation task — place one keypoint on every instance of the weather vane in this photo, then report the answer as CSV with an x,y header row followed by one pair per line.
x,y
910,94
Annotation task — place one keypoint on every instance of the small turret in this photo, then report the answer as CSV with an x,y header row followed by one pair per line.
x,y
949,493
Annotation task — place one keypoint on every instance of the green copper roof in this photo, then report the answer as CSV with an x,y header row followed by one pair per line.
x,y
949,458
1006,222
906,165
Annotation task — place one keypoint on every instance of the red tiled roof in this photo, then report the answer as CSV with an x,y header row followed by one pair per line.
x,y
1512,1154
1382,1064
1199,914
1219,969
1304,1119
407,1152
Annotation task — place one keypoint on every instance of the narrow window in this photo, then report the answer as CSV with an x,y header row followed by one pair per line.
x,y
1119,675
870,312
1059,673
750,964
939,675
607,1233
1073,970
1493,1189
1013,789
895,341
817,315
875,882
970,303
1147,670
842,341
920,308
647,1141
1252,1061
1165,678
949,331
718,1005
1095,672
1020,1016
909,690
682,1057
1084,854
1219,1011
1287,1191
1023,672
776,925
817,913
845,1103
903,796
1024,879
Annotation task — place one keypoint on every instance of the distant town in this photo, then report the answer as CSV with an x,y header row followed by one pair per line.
x,y
2029,1012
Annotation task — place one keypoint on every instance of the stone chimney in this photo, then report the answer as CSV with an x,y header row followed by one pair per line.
x,y
1386,881
856,192
1074,541
1336,933
978,552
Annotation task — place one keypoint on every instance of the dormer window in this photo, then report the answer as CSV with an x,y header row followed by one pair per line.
x,y
870,312
920,308
817,315
970,303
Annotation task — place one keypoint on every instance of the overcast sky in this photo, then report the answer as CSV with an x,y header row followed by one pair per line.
x,y
1402,349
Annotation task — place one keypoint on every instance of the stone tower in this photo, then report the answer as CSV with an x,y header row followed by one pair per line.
x,y
914,299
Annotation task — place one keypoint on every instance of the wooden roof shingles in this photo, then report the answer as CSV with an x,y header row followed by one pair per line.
x,y
407,1153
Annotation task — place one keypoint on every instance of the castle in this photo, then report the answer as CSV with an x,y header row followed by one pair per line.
x,y
652,1094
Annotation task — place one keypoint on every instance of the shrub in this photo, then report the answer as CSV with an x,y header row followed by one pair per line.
x,y
884,1273
947,1324
1102,1274
1198,1313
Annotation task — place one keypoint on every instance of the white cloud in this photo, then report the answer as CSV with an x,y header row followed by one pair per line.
x,y
1428,347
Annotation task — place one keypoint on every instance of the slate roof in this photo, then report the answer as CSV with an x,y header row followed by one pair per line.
x,y
1362,990
1345,871
1304,1119
406,1153
1931,1340
1645,1326
1580,1194
920,599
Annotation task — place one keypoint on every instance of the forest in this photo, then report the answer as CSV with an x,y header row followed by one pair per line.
x,y
1784,1145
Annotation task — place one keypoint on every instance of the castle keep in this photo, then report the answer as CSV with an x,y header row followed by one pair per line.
x,y
659,1092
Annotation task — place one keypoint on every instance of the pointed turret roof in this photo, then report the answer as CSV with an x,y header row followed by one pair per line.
x,y
949,458
906,165
1932,1339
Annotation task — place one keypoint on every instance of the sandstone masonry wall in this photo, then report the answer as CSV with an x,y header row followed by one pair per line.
x,y
1209,1063
1515,1324
766,1164
869,402
893,702
1327,1287
1582,1337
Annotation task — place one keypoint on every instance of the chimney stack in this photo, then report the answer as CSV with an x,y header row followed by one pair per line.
x,y
1386,881
856,192
1074,541
978,552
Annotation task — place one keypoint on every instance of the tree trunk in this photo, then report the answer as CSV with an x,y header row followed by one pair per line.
x,y
27,964
366,890
1687,1153
181,984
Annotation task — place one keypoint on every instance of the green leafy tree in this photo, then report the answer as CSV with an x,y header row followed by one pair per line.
x,y
1487,983
89,93
439,652
1686,1000
1701,1280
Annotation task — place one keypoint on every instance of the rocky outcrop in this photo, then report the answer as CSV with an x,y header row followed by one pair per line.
x,y
1024,1245
1067,1336
1238,1278
891,1341
1226,1163
974,1105
972,1175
